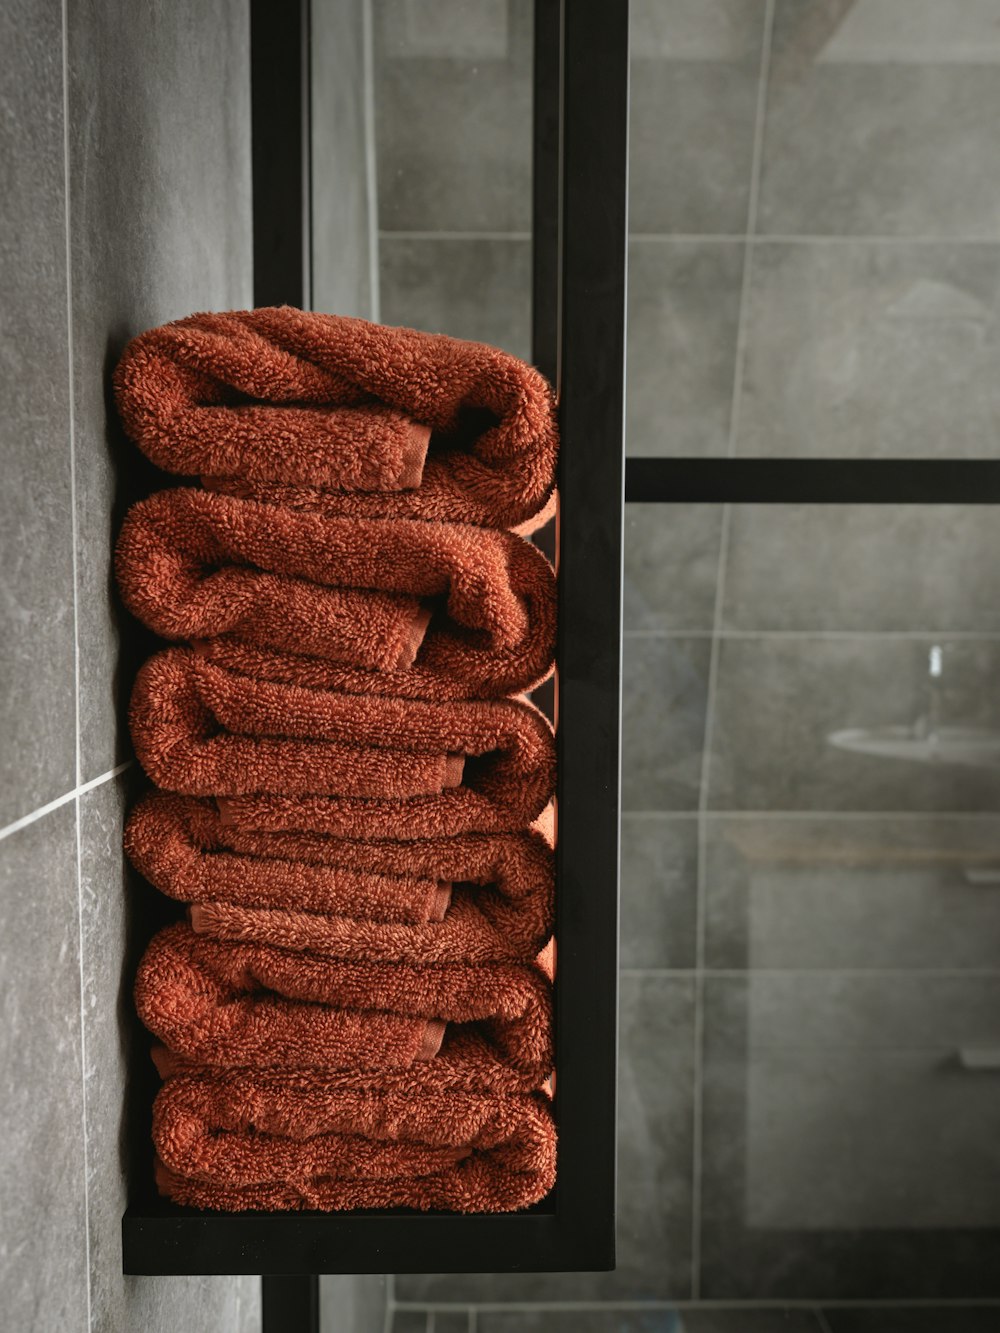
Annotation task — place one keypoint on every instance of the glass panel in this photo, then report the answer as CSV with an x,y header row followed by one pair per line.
x,y
811,785
422,165
815,208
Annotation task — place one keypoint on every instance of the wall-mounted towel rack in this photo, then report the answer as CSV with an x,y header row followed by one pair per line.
x,y
579,266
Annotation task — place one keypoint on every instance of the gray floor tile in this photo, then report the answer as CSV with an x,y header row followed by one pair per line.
x,y
693,99
117,1062
861,567
409,1321
844,893
671,566
43,1222
665,682
453,119
36,661
659,890
879,132
353,1303
160,182
449,1322
478,289
683,310
868,349
654,1176
792,717
935,1319
610,1320
847,1152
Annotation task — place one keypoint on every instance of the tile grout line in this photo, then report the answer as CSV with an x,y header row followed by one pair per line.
x,y
708,238
752,206
77,763
65,799
773,1303
874,973
390,1303
822,635
701,888
973,816
371,161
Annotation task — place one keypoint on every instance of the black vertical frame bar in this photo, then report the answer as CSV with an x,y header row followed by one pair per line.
x,y
281,152
290,1304
591,481
546,188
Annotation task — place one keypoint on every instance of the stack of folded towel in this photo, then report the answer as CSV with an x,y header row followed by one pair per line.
x,y
353,792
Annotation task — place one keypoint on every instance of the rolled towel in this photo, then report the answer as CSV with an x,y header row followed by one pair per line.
x,y
248,1004
191,564
257,397
450,1133
316,673
181,846
203,730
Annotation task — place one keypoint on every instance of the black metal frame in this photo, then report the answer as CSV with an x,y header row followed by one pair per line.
x,y
581,81
812,480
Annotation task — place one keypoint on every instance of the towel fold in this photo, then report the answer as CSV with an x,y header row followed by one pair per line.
x,y
474,605
181,846
256,398
200,729
251,1004
446,1134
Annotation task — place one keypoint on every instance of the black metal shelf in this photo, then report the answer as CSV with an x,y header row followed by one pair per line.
x,y
579,257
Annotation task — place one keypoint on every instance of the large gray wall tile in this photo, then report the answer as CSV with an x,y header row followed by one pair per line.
x,y
344,225
694,82
655,1082
875,136
611,1320
659,890
453,128
117,1054
683,310
935,1319
36,660
852,893
43,1220
352,1304
161,223
671,566
846,1151
478,289
861,567
664,690
779,702
871,350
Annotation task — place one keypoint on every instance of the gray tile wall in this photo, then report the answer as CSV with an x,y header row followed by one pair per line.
x,y
813,271
125,203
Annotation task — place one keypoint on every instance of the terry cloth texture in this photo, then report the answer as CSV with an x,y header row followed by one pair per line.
x,y
457,1132
199,729
255,400
181,846
234,1004
470,604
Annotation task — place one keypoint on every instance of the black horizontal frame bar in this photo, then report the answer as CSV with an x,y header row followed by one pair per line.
x,y
812,481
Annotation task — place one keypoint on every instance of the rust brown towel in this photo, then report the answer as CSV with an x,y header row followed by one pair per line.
x,y
200,729
249,1004
476,606
256,398
181,846
456,1133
